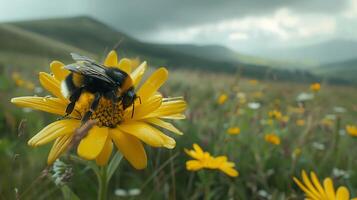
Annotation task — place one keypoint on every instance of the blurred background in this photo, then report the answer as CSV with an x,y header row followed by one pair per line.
x,y
266,52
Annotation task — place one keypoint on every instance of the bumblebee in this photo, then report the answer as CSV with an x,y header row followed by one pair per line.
x,y
89,76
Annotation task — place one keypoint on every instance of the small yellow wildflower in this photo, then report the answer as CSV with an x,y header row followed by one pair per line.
x,y
121,129
270,122
314,190
315,87
352,130
297,110
253,81
327,122
300,122
222,99
233,131
20,82
205,160
296,152
285,118
257,95
275,114
17,79
272,138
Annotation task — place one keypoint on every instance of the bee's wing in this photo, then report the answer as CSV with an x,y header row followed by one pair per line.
x,y
89,67
79,58
93,70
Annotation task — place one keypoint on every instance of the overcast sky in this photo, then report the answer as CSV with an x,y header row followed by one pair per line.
x,y
242,25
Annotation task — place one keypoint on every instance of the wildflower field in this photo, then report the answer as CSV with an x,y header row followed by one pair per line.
x,y
237,138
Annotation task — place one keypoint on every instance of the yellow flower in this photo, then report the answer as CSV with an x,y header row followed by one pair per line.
x,y
233,130
327,122
315,87
253,81
258,95
205,160
29,85
315,191
297,110
275,114
352,130
285,119
270,122
296,152
272,138
20,82
125,131
300,122
222,99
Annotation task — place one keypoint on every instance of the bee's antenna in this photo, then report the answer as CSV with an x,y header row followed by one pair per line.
x,y
139,98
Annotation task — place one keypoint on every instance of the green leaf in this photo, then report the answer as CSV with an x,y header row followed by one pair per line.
x,y
113,165
68,193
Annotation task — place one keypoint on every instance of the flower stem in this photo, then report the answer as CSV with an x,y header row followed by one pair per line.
x,y
103,184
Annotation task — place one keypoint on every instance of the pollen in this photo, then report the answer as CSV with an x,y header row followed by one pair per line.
x,y
108,114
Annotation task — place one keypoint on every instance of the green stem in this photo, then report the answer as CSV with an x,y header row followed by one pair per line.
x,y
103,184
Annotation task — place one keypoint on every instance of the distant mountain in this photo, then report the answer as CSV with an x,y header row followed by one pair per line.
x,y
35,43
346,70
321,53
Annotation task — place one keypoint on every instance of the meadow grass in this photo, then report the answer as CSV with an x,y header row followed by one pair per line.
x,y
265,170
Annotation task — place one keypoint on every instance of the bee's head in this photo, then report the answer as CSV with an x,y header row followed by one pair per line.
x,y
128,98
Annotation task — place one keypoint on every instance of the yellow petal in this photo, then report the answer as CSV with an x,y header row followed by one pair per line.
x,y
91,145
144,109
317,185
51,84
131,148
169,108
112,59
230,171
342,193
329,189
174,116
58,70
163,124
197,148
104,156
152,84
194,165
125,65
138,73
144,132
197,152
47,104
309,185
60,145
306,190
169,142
53,131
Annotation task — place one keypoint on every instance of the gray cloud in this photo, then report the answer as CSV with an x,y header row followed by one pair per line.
x,y
137,15
245,25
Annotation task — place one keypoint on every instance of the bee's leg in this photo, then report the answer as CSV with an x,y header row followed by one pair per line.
x,y
73,99
92,108
132,112
139,98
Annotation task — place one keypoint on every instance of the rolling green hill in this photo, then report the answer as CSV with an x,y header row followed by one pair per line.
x,y
36,43
345,70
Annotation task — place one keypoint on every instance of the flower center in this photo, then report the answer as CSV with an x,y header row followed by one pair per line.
x,y
108,114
